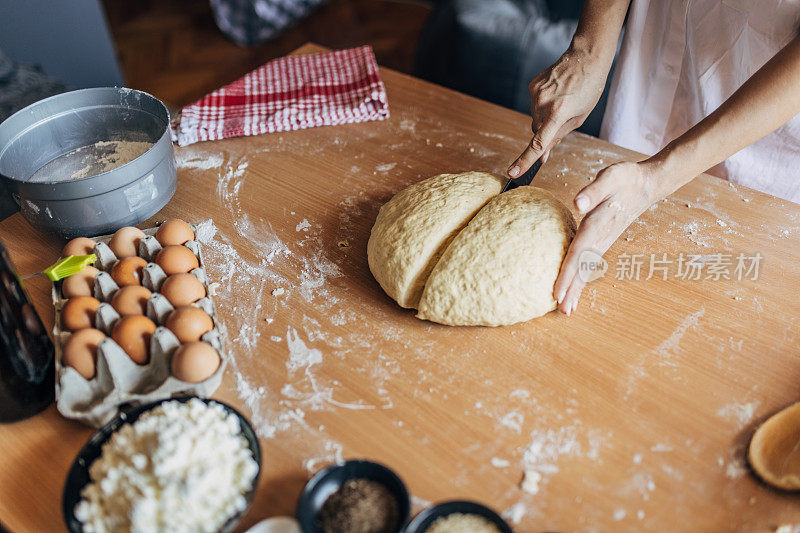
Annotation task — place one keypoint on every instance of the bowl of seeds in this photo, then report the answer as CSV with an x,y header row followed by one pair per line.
x,y
458,517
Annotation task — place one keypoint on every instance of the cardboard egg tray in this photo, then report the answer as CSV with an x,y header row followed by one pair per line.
x,y
120,381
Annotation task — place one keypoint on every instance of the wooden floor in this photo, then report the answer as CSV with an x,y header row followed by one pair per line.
x,y
174,50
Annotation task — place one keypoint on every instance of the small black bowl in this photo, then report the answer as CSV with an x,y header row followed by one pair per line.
x,y
426,518
330,479
78,476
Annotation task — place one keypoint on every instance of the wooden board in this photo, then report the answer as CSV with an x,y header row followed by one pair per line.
x,y
636,410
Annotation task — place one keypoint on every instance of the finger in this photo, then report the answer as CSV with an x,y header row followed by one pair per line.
x,y
546,154
586,238
539,143
573,295
599,190
569,269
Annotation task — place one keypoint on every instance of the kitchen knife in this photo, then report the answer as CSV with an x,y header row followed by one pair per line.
x,y
525,179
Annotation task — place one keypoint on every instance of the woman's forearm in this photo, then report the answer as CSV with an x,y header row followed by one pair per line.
x,y
760,106
599,27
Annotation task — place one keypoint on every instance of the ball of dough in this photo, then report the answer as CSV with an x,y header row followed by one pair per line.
x,y
463,254
413,229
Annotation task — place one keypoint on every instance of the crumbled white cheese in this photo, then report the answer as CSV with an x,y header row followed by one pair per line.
x,y
181,467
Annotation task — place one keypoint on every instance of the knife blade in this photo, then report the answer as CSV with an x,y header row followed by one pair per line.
x,y
525,179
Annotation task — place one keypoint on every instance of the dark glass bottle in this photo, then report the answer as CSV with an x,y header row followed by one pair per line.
x,y
27,375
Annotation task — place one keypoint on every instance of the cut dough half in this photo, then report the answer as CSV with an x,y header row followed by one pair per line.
x,y
501,268
416,225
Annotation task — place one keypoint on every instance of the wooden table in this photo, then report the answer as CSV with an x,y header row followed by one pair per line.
x,y
636,410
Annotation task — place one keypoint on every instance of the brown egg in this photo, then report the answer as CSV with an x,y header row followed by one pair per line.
x,y
133,334
174,232
128,271
189,323
182,289
80,351
125,242
80,283
79,246
195,362
78,313
131,300
174,259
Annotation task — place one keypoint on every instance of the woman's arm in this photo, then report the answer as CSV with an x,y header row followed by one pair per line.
x,y
563,95
625,190
760,106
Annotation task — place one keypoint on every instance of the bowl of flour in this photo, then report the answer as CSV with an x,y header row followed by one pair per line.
x,y
181,464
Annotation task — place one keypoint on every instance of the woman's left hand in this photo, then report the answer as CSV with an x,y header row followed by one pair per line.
x,y
619,194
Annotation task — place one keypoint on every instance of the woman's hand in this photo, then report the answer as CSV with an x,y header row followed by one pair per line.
x,y
561,98
612,202
624,191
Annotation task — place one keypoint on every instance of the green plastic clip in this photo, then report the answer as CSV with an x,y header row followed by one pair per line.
x,y
63,268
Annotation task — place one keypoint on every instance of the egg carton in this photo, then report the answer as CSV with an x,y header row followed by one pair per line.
x,y
119,381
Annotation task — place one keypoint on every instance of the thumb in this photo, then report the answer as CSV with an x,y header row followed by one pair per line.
x,y
541,141
595,193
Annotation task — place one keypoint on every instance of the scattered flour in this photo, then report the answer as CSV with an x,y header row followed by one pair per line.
x,y
742,413
736,469
660,447
513,420
386,167
548,447
671,344
187,158
300,355
497,462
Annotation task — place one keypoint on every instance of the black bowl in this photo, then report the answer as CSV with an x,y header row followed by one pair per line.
x,y
78,476
426,518
330,479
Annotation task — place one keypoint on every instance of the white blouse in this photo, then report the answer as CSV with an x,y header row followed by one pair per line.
x,y
681,59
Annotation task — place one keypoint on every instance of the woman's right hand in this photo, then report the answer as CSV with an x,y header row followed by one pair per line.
x,y
561,98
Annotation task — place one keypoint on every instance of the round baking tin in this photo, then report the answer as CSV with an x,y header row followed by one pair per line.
x,y
102,203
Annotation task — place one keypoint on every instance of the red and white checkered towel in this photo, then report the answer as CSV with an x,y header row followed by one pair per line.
x,y
289,93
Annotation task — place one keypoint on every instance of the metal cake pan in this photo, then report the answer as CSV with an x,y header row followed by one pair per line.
x,y
101,203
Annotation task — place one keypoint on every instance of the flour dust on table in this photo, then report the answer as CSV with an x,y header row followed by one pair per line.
x,y
296,314
263,286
